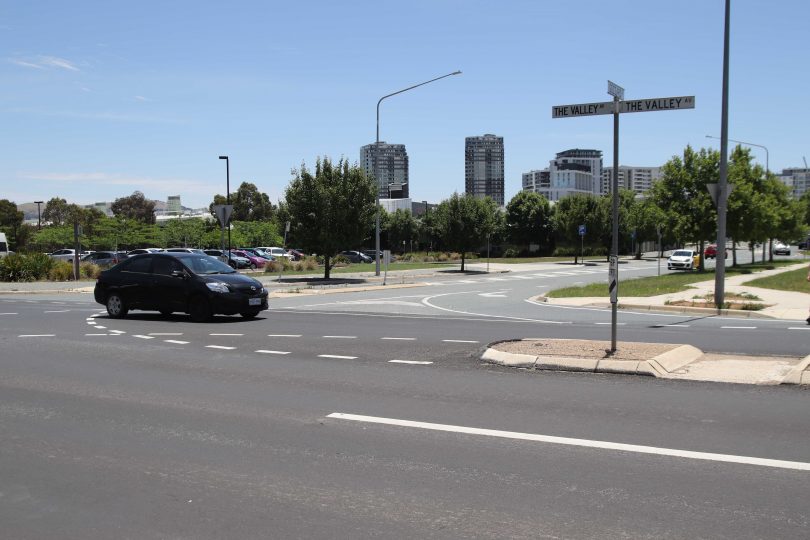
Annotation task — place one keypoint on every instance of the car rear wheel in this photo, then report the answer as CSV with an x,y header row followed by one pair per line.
x,y
199,309
253,266
250,314
116,307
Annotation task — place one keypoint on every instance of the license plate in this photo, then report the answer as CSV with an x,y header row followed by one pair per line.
x,y
254,301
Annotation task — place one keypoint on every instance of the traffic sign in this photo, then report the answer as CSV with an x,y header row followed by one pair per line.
x,y
582,230
223,212
613,279
582,109
657,104
615,90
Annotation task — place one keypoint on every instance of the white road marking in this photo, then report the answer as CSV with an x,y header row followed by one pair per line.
x,y
458,341
340,337
399,338
117,332
219,347
272,352
57,311
176,341
101,327
9,313
798,327
671,326
336,356
565,273
495,279
543,275
738,327
102,334
226,334
165,333
417,362
466,281
143,337
37,335
568,441
520,277
427,300
283,335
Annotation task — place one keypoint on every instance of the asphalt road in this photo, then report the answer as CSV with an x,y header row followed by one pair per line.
x,y
154,428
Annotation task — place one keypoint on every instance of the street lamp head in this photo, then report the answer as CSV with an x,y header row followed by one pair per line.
x,y
223,157
38,202
456,72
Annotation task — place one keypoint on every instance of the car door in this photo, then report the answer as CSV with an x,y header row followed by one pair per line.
x,y
169,287
135,281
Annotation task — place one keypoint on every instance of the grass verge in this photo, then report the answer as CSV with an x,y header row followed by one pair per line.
x,y
794,280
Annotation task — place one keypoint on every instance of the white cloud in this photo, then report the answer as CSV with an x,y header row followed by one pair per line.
x,y
141,98
43,62
23,63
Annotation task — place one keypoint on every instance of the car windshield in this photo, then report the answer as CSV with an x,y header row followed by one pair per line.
x,y
682,254
207,265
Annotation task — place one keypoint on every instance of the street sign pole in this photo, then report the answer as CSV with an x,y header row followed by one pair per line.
x,y
616,107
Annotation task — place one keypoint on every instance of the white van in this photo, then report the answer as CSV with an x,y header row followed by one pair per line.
x,y
3,245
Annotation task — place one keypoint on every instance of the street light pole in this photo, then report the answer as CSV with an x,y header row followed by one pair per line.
x,y
722,185
228,198
377,172
767,157
39,215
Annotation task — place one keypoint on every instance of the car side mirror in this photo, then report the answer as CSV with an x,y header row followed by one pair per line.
x,y
178,273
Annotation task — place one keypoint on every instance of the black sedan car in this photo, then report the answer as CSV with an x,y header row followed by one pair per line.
x,y
179,282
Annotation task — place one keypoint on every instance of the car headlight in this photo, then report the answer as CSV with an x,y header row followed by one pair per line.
x,y
218,286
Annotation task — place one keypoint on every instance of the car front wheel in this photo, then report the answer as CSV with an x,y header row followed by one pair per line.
x,y
116,307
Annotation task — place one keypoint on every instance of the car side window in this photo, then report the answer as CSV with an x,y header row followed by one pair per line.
x,y
140,265
165,266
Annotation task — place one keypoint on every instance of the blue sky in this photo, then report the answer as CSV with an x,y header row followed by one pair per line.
x,y
101,98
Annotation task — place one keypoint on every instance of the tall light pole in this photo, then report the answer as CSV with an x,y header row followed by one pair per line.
x,y
228,197
722,184
767,158
376,170
39,215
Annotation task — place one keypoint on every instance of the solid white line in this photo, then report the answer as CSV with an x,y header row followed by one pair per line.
x,y
272,352
176,341
400,338
37,335
143,337
165,333
418,362
220,347
57,311
340,337
728,458
458,341
336,356
738,327
426,301
283,335
226,334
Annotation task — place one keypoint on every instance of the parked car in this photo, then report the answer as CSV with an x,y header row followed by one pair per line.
x,y
184,250
297,254
258,253
141,251
4,252
682,259
276,252
64,254
804,244
104,258
373,254
235,260
356,256
711,252
255,260
186,282
781,249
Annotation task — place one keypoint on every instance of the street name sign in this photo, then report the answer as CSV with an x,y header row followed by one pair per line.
x,y
657,104
582,109
615,90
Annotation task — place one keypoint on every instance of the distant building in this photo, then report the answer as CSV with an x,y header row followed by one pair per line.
x,y
797,180
173,206
636,179
537,181
103,207
390,168
483,167
572,171
392,205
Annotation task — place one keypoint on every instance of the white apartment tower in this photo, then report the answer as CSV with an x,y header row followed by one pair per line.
x,y
637,179
572,171
391,168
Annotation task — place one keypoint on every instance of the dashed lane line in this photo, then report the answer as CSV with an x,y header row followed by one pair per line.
x,y
165,333
101,327
37,335
798,327
459,341
102,334
143,337
415,362
9,313
265,351
340,337
738,327
283,335
56,311
399,338
117,332
226,334
178,342
223,347
337,356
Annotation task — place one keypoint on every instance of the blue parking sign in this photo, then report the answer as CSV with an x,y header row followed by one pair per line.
x,y
582,230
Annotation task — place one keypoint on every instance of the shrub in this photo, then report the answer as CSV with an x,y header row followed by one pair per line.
x,y
309,263
12,268
90,270
340,259
511,253
455,256
441,257
38,265
61,271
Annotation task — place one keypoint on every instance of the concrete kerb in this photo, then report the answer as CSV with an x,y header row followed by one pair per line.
x,y
660,365
800,374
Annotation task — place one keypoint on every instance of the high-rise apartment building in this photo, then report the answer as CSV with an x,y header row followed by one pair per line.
x,y
637,179
390,169
173,206
798,180
483,167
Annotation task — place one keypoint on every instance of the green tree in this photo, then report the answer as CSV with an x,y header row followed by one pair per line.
x,y
646,218
332,209
464,222
58,212
257,233
249,204
135,206
11,221
528,220
401,228
189,232
572,211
